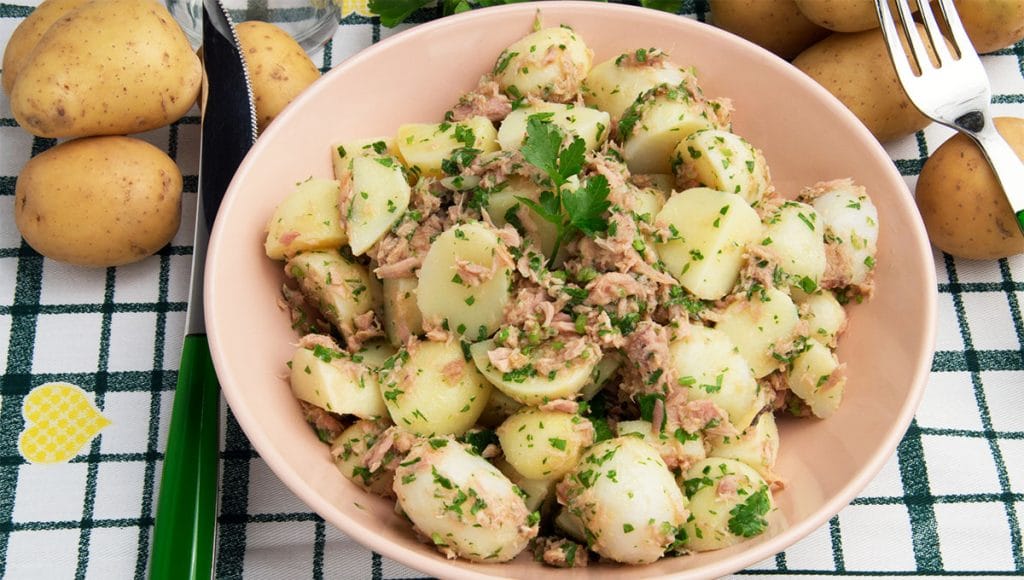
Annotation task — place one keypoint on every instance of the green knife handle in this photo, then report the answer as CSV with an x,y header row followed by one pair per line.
x,y
1020,220
186,513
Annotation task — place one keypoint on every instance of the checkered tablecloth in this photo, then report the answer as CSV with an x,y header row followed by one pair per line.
x,y
949,503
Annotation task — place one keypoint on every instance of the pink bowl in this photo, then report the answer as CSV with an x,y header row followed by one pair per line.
x,y
806,136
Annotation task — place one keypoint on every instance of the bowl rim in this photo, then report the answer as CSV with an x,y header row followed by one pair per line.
x,y
442,568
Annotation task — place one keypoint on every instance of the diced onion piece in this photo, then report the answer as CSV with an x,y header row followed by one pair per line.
x,y
763,327
308,219
430,389
711,231
465,505
627,500
443,293
380,195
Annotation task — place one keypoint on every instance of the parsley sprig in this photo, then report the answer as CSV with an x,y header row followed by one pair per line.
x,y
571,211
394,12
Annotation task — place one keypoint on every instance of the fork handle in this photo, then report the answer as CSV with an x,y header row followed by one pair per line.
x,y
1008,167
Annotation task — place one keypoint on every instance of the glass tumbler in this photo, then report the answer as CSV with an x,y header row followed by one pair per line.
x,y
310,22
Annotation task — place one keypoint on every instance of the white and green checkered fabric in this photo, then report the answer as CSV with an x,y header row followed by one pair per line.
x,y
949,503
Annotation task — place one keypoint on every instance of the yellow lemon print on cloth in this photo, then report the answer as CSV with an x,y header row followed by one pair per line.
x,y
359,7
59,420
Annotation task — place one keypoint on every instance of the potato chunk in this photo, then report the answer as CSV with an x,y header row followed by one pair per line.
x,y
308,219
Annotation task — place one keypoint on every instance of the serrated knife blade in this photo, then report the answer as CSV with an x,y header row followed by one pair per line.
x,y
184,535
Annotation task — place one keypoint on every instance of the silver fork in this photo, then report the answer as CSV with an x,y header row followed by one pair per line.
x,y
956,92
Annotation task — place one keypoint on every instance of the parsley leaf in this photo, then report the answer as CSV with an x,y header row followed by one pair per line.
x,y
394,12
748,517
570,210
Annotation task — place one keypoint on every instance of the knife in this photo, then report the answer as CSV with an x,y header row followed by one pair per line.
x,y
184,532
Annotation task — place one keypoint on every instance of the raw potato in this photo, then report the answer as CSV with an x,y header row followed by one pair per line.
x,y
961,202
777,25
27,35
109,68
278,68
308,219
991,24
840,15
856,69
99,201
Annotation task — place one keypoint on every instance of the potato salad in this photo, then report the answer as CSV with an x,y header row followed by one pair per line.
x,y
561,318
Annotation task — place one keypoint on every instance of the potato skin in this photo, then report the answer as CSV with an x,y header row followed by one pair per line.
x,y
840,15
856,69
27,35
99,201
778,26
961,202
278,67
992,24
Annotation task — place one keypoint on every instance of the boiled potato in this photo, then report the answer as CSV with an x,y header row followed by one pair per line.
x,y
825,316
344,152
851,229
856,68
430,388
709,367
541,232
526,386
108,68
591,125
380,196
840,15
472,307
333,380
425,147
544,444
991,24
710,230
658,120
99,201
349,450
465,505
626,499
778,25
724,161
729,503
758,446
795,236
548,64
278,68
818,379
763,326
614,84
308,219
27,35
336,285
677,447
402,317
961,202
536,491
